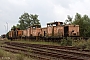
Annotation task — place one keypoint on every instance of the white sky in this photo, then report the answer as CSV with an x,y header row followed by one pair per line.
x,y
48,10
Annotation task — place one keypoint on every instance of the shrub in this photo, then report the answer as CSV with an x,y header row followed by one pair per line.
x,y
82,45
66,42
88,44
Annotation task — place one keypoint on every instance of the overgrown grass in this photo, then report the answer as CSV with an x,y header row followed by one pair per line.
x,y
20,57
37,42
10,56
4,55
82,44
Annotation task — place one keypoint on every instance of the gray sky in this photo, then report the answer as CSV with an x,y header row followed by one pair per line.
x,y
48,10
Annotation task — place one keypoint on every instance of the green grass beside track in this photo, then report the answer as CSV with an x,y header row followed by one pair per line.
x,y
82,44
37,42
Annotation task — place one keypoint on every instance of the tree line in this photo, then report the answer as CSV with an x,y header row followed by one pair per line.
x,y
26,20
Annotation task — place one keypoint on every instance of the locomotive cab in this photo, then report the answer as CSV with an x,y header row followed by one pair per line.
x,y
35,30
55,29
71,30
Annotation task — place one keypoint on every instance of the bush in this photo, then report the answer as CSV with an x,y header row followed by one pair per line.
x,y
66,42
82,44
88,44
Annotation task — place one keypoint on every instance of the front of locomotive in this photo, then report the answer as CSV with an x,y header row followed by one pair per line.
x,y
73,30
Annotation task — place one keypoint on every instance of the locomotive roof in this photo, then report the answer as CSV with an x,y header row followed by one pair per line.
x,y
71,25
15,29
54,23
35,25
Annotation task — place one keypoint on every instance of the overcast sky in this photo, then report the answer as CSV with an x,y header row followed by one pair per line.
x,y
48,10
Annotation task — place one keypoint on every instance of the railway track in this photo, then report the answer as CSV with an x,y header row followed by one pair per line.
x,y
47,52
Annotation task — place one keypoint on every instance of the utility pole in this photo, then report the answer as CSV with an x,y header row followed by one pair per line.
x,y
5,29
7,26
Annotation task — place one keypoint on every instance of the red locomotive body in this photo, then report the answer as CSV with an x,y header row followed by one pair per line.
x,y
54,29
71,30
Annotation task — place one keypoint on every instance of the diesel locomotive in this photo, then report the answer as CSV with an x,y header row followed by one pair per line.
x,y
53,30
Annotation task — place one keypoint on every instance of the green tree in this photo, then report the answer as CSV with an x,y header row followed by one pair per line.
x,y
69,20
84,24
14,27
34,19
18,26
28,20
24,21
